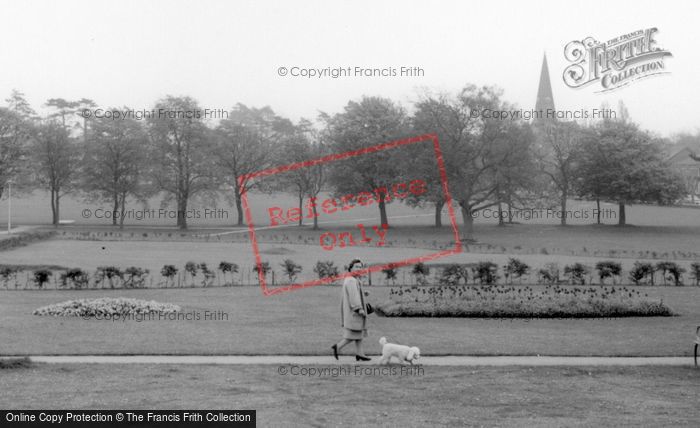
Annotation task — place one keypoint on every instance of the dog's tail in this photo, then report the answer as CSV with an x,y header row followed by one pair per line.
x,y
382,341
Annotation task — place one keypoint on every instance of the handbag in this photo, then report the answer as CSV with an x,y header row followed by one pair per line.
x,y
370,309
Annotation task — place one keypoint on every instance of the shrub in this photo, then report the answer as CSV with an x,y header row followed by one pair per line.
x,y
326,269
263,267
110,273
452,274
421,271
608,269
549,274
77,277
7,273
642,272
485,272
192,268
169,272
671,270
515,269
41,277
695,271
208,274
576,273
291,269
135,277
390,273
228,268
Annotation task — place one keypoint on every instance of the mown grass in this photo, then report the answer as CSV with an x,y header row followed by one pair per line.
x,y
440,396
499,301
307,322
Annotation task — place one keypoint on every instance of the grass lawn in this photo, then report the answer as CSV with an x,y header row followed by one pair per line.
x,y
439,396
306,322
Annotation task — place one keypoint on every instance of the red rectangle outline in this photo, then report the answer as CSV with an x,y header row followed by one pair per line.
x,y
339,156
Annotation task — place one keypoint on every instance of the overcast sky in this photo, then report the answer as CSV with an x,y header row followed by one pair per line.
x,y
223,52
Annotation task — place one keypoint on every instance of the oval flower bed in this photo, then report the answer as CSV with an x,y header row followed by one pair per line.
x,y
105,306
498,301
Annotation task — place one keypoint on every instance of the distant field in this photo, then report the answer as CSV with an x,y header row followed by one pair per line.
x,y
441,396
307,322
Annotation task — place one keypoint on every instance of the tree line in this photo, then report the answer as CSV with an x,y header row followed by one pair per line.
x,y
509,164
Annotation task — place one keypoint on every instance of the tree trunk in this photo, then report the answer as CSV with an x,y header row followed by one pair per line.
x,y
499,199
315,216
121,217
500,215
382,210
622,218
115,210
510,207
301,208
54,208
438,213
239,207
564,195
182,213
468,223
597,203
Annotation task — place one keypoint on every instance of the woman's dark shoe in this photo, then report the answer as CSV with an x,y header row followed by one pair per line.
x,y
335,351
362,358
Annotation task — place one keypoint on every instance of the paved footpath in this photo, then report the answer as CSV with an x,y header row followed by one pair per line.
x,y
328,360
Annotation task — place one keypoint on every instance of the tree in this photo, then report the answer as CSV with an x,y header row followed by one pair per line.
x,y
308,181
513,176
627,165
15,136
557,155
113,163
472,148
55,161
181,153
246,143
366,123
62,108
17,103
83,106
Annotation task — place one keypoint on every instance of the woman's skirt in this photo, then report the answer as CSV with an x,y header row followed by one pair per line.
x,y
354,334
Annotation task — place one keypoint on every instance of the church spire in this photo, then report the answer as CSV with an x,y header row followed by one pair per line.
x,y
545,99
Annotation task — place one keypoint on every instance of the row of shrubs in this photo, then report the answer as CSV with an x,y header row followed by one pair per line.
x,y
484,273
199,274
574,274
115,277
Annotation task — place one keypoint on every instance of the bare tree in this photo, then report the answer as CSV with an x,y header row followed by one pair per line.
x,y
247,142
557,153
113,163
180,153
55,163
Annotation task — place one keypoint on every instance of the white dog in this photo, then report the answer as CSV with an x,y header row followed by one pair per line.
x,y
403,353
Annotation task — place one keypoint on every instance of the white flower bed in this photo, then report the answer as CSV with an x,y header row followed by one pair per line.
x,y
105,306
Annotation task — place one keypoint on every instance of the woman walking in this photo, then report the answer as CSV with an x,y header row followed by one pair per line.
x,y
353,313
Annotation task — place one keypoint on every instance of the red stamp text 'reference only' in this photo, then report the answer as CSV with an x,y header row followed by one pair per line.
x,y
375,233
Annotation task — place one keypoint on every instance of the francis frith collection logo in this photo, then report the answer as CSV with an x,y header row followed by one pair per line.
x,y
615,63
